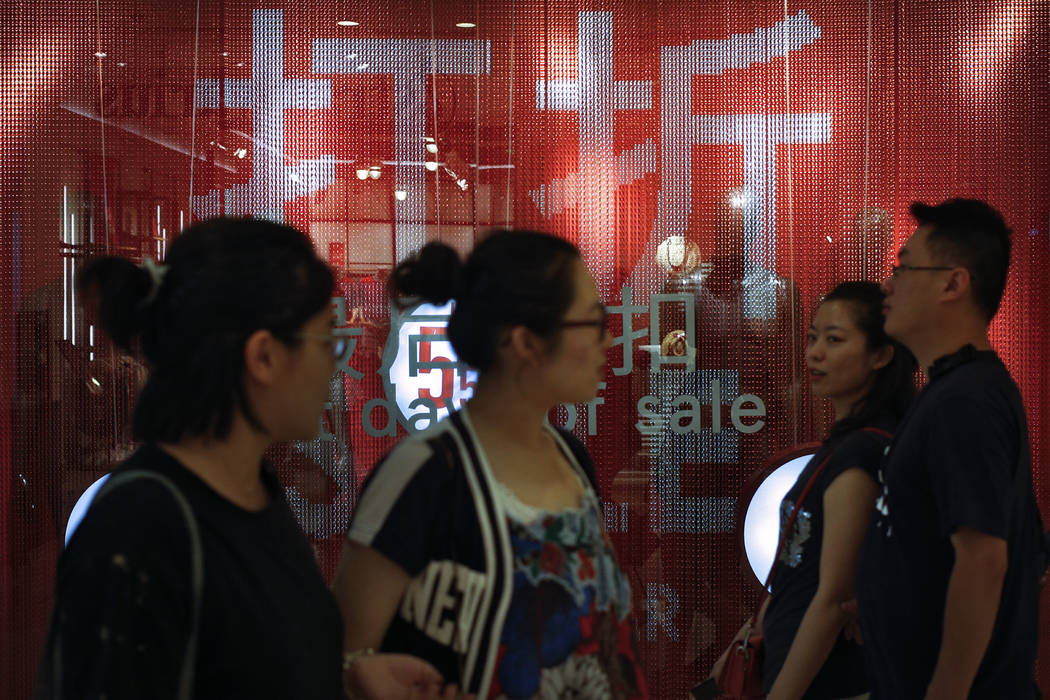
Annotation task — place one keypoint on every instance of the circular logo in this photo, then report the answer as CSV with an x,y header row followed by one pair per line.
x,y
423,378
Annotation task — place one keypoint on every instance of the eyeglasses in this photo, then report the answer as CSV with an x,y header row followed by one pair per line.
x,y
337,343
897,269
599,323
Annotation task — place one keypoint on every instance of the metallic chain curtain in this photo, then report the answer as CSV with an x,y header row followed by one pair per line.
x,y
721,165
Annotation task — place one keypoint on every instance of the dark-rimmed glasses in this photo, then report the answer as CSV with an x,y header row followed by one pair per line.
x,y
336,342
599,323
897,269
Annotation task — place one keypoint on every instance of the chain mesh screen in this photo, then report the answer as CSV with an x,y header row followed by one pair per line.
x,y
720,164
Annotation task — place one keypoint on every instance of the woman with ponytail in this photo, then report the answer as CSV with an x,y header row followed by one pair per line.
x,y
478,544
868,378
189,575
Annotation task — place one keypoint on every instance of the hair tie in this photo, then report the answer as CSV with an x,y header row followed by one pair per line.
x,y
156,274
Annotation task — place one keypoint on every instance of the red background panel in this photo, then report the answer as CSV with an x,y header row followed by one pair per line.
x,y
911,101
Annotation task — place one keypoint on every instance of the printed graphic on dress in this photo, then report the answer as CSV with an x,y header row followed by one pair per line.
x,y
882,508
791,553
568,632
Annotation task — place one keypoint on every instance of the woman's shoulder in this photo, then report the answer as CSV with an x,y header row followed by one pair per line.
x,y
419,470
146,489
135,521
861,447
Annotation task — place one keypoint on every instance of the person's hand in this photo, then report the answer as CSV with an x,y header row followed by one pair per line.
x,y
716,670
397,677
451,692
851,630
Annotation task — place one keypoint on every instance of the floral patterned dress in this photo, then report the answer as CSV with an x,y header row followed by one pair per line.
x,y
569,632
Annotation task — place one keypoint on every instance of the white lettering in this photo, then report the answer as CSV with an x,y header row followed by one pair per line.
x,y
692,412
443,603
739,411
716,406
648,411
438,628
661,604
472,584
414,604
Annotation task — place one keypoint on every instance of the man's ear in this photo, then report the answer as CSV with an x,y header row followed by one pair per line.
x,y
261,357
526,346
958,284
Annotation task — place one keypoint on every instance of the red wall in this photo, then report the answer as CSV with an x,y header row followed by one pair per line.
x,y
898,102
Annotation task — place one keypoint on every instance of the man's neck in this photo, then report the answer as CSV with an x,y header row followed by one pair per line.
x,y
946,343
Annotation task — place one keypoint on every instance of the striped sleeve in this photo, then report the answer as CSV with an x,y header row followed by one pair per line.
x,y
400,506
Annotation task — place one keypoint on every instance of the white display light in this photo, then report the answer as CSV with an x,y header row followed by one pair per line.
x,y
82,505
762,521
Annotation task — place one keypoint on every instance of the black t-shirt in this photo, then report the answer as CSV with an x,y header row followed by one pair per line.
x,y
269,627
960,459
798,572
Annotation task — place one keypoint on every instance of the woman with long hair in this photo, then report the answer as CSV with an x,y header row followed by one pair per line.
x,y
189,575
868,378
478,544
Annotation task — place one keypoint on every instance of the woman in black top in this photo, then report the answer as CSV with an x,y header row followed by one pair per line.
x,y
869,380
236,327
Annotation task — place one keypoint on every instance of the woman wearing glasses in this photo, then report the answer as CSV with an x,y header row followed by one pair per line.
x,y
189,576
478,544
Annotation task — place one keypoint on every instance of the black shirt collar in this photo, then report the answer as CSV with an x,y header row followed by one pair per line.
x,y
964,355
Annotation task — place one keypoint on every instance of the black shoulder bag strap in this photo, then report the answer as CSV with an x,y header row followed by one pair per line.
x,y
49,683
786,533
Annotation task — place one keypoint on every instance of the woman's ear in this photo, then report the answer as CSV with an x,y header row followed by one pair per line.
x,y
527,347
883,356
262,357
